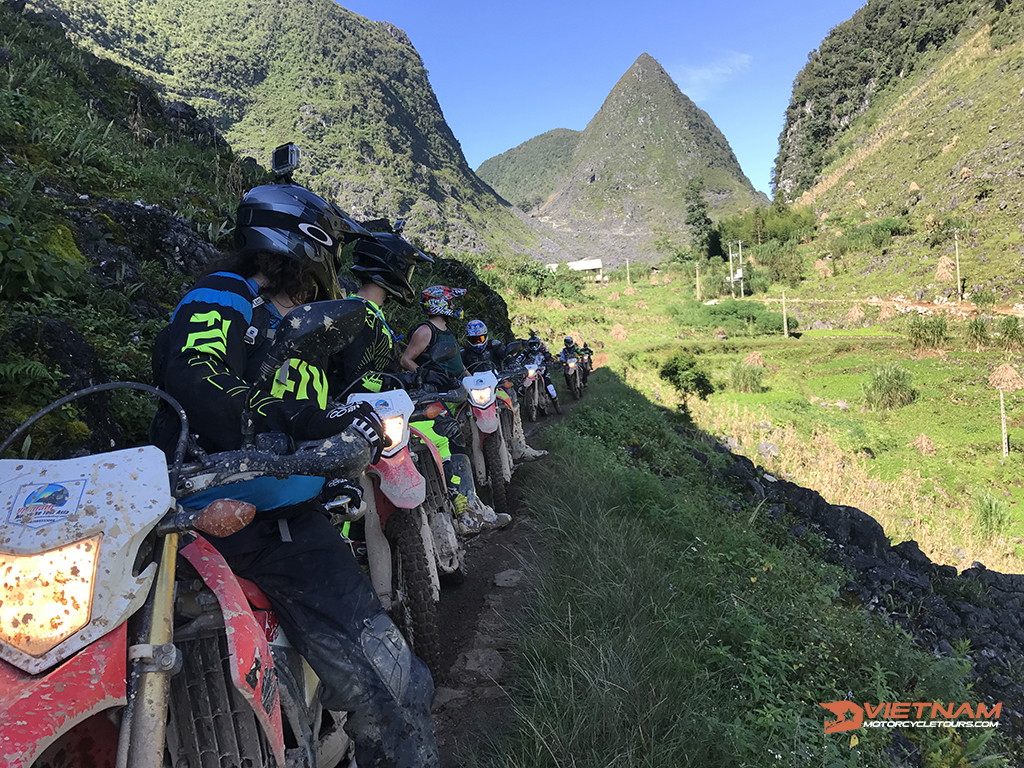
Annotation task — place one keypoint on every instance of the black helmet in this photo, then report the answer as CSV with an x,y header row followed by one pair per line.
x,y
388,261
533,343
292,221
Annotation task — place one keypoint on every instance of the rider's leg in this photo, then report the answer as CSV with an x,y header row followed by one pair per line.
x,y
517,440
331,615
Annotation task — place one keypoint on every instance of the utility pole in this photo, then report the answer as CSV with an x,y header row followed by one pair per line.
x,y
698,281
732,274
785,317
628,281
742,292
956,248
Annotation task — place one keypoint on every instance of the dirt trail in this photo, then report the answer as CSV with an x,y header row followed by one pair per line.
x,y
478,627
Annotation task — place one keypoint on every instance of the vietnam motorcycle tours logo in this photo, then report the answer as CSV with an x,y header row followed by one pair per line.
x,y
918,714
46,504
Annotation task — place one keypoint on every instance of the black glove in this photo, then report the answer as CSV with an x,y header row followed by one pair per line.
x,y
312,423
339,491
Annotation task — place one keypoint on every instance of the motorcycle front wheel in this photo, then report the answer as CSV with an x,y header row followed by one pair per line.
x,y
531,406
495,475
414,609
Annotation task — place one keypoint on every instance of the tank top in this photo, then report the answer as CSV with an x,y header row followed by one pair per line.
x,y
453,367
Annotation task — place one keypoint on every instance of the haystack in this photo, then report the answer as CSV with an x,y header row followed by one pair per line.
x,y
641,304
755,360
619,333
630,290
614,296
654,279
946,271
887,312
1006,378
665,279
856,315
924,445
823,268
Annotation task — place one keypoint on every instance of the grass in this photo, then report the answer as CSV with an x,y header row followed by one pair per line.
x,y
813,400
699,632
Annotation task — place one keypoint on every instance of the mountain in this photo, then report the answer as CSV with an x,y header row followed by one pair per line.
x,y
909,152
352,92
528,174
623,188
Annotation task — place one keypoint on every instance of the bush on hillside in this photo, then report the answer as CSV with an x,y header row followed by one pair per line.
x,y
526,278
736,318
683,372
889,387
927,332
992,515
1011,336
977,333
746,378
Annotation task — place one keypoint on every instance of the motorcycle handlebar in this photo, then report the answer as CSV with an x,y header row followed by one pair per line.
x,y
343,455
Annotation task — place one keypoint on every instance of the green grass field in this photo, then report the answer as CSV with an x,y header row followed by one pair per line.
x,y
813,402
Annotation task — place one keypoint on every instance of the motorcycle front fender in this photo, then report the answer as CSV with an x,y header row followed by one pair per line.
x,y
436,454
400,481
252,664
40,709
486,419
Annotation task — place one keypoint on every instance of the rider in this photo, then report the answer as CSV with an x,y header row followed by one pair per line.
x,y
438,303
481,352
286,243
569,349
536,348
587,358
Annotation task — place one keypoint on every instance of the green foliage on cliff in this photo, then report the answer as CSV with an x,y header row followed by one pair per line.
x,y
879,46
352,92
526,175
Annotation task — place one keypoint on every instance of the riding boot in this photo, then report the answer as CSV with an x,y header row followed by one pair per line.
x,y
520,450
477,512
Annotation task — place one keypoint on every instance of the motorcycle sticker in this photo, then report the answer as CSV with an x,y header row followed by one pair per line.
x,y
45,504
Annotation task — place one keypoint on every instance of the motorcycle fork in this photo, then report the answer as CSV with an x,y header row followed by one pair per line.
x,y
144,727
378,548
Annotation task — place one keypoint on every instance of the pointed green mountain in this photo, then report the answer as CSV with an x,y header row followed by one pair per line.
x,y
624,186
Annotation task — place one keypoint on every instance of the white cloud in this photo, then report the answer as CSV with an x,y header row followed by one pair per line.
x,y
700,83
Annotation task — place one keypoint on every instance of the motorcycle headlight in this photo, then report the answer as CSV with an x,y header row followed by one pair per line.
x,y
46,597
572,364
481,396
531,370
394,429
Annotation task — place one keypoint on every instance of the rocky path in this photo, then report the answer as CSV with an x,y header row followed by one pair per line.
x,y
478,625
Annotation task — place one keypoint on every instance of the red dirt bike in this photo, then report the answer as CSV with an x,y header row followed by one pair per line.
x,y
125,639
534,392
571,368
486,420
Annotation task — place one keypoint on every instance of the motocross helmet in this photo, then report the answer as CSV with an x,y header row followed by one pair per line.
x,y
389,261
290,220
567,341
440,300
533,344
476,334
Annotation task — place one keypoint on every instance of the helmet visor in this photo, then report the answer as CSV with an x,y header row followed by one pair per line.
x,y
478,339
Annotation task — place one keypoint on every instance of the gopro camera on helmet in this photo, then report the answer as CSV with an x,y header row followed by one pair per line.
x,y
285,160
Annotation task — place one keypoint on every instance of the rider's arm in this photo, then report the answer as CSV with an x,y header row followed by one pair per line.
x,y
417,345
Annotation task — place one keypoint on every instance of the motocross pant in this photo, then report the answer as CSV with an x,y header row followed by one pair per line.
x,y
332,616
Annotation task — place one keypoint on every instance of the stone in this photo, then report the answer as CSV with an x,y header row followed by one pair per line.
x,y
509,578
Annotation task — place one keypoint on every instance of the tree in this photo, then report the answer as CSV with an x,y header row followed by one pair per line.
x,y
682,371
697,218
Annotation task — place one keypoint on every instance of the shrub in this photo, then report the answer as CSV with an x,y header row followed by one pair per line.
x,y
682,372
927,332
977,333
991,515
1011,336
890,387
984,300
746,378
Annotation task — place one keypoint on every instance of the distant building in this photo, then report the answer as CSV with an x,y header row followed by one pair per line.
x,y
583,265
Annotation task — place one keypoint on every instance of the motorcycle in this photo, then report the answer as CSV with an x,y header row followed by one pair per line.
x,y
125,639
573,376
487,427
534,392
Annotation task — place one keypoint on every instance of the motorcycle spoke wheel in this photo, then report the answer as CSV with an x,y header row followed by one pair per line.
x,y
415,610
495,478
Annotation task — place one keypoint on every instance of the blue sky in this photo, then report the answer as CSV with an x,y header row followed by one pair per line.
x,y
506,72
